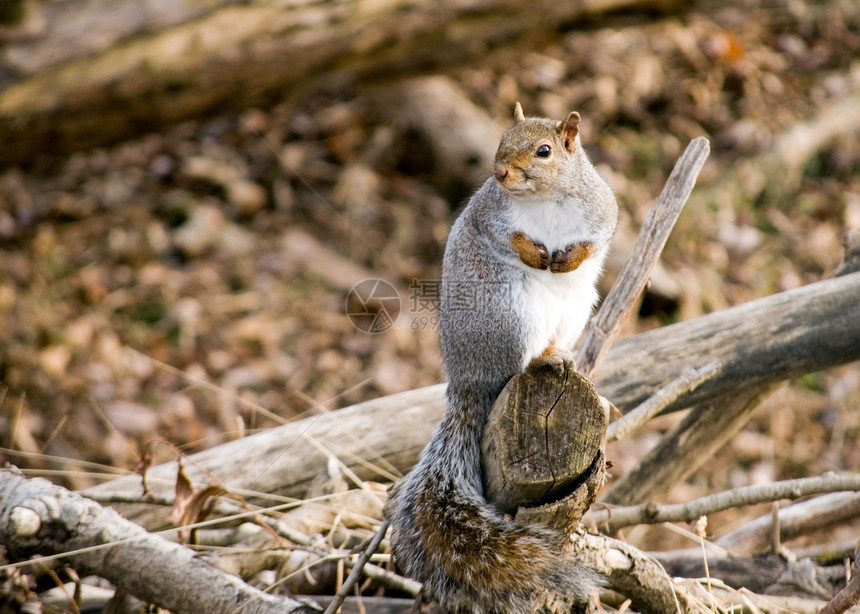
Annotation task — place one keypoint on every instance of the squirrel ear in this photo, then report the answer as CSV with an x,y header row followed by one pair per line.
x,y
570,128
518,113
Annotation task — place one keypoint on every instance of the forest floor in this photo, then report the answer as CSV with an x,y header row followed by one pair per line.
x,y
145,288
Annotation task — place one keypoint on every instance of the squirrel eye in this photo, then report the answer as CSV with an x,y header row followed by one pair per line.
x,y
543,151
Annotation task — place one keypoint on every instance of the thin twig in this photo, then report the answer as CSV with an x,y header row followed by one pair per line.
x,y
606,324
727,599
613,519
62,459
392,580
701,531
72,600
206,384
684,383
355,574
798,519
775,540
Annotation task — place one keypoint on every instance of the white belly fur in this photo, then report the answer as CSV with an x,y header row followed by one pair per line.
x,y
556,225
559,304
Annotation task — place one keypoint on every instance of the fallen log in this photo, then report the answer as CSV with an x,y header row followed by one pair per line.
x,y
770,339
714,421
83,73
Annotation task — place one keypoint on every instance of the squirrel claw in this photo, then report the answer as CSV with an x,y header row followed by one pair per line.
x,y
532,254
569,258
544,261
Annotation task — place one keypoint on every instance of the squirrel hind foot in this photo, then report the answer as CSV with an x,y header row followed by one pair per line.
x,y
557,359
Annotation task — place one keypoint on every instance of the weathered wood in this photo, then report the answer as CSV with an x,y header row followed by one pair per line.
x,y
768,340
687,445
369,437
545,430
611,520
604,327
755,573
795,520
714,422
37,517
634,574
655,404
741,558
82,73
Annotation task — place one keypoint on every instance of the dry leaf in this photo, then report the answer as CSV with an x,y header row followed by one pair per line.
x,y
190,506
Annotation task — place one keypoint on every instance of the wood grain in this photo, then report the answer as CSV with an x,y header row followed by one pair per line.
x,y
544,431
767,340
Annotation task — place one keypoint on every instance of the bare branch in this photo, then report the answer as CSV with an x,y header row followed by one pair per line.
x,y
392,580
80,83
795,520
37,517
650,513
634,574
686,446
684,383
771,339
710,425
607,322
355,574
776,337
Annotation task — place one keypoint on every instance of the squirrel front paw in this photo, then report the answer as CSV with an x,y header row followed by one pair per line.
x,y
569,259
532,254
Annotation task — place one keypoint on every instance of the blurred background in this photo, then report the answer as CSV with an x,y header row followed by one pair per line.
x,y
188,193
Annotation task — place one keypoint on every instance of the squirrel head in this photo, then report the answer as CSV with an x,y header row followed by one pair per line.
x,y
535,153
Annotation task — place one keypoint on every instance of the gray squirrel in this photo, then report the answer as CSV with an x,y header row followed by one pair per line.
x,y
518,285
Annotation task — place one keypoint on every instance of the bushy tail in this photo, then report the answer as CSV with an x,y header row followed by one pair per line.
x,y
470,557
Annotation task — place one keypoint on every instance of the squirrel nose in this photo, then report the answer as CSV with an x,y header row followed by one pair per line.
x,y
500,173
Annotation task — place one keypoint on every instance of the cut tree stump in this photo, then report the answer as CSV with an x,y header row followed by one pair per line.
x,y
543,438
543,457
